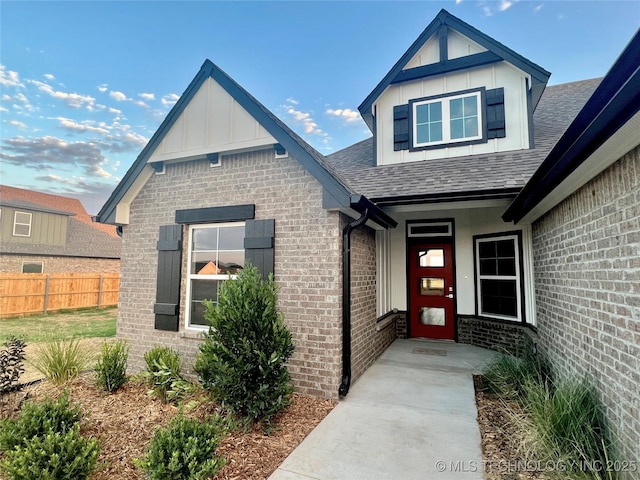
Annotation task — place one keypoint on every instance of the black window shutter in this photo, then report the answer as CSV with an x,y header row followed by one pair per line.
x,y
495,113
400,127
258,245
168,286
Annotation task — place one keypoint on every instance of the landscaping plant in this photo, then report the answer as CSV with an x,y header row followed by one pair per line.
x,y
53,456
38,419
242,361
184,450
61,361
163,374
111,369
44,442
11,363
559,422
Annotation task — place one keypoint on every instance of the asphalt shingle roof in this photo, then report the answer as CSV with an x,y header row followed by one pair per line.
x,y
476,173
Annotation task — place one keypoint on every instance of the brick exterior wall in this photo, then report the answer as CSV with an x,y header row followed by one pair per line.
x,y
587,269
13,264
494,335
367,344
307,258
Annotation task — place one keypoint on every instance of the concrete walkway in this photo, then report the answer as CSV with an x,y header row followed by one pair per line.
x,y
411,416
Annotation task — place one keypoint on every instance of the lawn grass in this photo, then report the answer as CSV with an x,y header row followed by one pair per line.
x,y
65,325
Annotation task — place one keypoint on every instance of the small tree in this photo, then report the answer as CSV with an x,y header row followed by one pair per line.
x,y
242,360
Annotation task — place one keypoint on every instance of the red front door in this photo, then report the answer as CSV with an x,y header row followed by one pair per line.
x,y
431,291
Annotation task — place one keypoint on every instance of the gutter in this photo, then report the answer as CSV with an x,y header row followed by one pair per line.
x,y
369,211
346,301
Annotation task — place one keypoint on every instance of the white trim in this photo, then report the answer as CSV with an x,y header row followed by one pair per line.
x,y
446,119
517,277
383,271
194,276
16,223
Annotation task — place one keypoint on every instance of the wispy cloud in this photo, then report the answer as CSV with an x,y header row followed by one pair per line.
x,y
147,96
73,100
350,116
490,8
537,8
170,100
9,78
49,76
85,126
17,123
292,101
118,96
103,87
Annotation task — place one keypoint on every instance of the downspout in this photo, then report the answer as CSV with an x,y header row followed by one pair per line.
x,y
346,301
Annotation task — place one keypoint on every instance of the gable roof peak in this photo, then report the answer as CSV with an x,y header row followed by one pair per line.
x,y
496,51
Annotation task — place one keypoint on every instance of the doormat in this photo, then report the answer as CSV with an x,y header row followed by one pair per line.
x,y
429,351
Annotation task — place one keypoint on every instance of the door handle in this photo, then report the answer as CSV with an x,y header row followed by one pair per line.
x,y
450,295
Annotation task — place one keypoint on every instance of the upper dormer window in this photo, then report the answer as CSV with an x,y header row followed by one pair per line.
x,y
447,119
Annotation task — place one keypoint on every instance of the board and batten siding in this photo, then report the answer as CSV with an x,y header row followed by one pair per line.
x,y
212,122
46,228
498,75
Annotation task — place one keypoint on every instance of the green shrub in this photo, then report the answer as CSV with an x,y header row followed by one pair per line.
x,y
56,455
184,450
163,374
111,369
61,361
38,419
242,360
11,363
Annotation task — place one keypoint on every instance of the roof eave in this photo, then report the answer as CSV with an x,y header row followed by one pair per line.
x,y
614,102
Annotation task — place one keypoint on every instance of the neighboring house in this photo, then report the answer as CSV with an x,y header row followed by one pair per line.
x,y
403,234
44,233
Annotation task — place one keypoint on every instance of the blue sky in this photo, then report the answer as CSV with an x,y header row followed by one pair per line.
x,y
85,84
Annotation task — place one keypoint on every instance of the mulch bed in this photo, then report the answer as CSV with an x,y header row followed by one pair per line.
x,y
500,439
124,423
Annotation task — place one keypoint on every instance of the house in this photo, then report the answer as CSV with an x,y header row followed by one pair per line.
x,y
44,233
434,227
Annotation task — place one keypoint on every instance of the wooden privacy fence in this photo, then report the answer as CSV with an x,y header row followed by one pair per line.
x,y
31,293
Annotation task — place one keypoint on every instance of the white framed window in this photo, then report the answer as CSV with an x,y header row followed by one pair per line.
x,y
32,267
216,253
499,277
22,224
447,119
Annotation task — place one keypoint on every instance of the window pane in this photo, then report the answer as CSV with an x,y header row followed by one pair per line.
x,y
435,112
435,132
24,218
422,114
432,286
231,238
455,107
457,128
204,263
499,297
470,106
433,257
230,262
202,290
22,230
35,267
505,248
471,127
432,316
506,266
205,238
488,267
422,133
487,249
